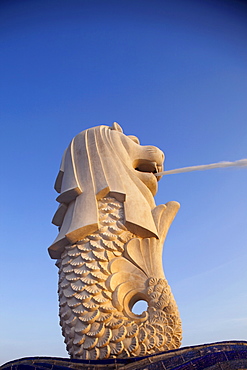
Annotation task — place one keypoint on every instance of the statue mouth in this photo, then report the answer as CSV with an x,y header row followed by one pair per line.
x,y
146,166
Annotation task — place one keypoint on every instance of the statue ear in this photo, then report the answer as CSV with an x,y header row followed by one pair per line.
x,y
117,127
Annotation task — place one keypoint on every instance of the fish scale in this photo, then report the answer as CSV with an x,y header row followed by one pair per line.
x,y
94,327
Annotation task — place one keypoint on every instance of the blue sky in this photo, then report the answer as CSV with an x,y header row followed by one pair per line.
x,y
173,73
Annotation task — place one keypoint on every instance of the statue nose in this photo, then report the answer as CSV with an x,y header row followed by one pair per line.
x,y
154,154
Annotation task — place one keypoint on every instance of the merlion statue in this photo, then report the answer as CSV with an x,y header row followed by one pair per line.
x,y
109,248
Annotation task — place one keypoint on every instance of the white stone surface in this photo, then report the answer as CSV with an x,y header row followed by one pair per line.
x,y
109,248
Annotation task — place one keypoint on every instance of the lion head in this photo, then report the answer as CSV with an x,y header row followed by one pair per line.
x,y
103,161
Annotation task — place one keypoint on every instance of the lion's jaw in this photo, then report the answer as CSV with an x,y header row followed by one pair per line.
x,y
145,170
145,161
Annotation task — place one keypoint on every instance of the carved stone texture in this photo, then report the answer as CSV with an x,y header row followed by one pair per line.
x,y
109,248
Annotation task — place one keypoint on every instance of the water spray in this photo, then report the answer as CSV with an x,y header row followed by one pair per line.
x,y
239,163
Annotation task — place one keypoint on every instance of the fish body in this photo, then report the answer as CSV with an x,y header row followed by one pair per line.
x,y
100,279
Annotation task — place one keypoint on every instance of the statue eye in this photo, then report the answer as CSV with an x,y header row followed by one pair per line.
x,y
134,138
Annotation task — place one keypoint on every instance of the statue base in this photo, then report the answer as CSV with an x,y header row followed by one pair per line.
x,y
228,355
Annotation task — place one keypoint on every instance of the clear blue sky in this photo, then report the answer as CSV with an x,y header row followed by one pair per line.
x,y
173,73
